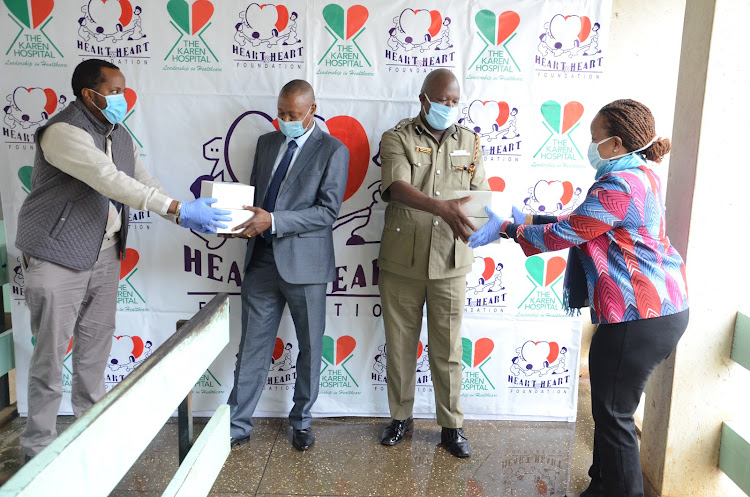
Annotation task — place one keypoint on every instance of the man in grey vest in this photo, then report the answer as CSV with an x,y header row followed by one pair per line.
x,y
72,231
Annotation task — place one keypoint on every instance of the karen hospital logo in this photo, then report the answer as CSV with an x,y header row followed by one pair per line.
x,y
335,378
476,355
543,299
559,149
344,56
266,37
112,29
495,61
190,51
128,297
31,43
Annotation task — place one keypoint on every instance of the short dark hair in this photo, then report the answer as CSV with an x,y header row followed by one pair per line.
x,y
88,74
298,86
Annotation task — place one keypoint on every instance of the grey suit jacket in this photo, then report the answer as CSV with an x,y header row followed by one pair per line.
x,y
307,206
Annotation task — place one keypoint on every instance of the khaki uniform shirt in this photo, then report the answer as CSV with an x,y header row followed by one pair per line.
x,y
415,243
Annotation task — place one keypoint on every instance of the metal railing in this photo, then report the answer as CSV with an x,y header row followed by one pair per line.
x,y
83,457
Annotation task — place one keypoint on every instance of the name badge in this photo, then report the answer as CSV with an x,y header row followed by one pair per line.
x,y
424,150
459,153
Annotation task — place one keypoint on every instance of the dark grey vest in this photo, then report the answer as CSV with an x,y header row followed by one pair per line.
x,y
63,219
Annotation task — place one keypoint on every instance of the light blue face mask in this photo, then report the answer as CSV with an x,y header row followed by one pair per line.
x,y
596,160
116,107
440,116
293,129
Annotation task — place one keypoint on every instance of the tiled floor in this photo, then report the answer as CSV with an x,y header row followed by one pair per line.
x,y
510,459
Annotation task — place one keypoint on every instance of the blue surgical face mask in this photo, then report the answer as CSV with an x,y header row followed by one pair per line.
x,y
293,129
116,107
594,158
440,116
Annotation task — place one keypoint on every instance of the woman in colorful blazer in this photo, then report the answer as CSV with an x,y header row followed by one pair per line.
x,y
634,278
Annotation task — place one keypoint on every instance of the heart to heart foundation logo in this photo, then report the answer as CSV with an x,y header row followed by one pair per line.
x,y
282,356
552,198
29,107
128,352
571,35
30,13
420,30
270,25
539,357
545,273
490,119
485,276
191,19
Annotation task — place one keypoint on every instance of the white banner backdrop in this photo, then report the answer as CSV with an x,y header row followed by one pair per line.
x,y
203,79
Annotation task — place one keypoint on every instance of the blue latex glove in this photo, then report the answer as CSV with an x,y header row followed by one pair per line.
x,y
487,233
518,216
198,215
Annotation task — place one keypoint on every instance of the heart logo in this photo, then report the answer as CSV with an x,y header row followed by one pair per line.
x,y
334,16
420,349
264,19
537,353
190,19
109,14
418,24
497,29
553,195
487,114
474,354
497,184
555,267
128,264
130,97
356,16
130,346
536,268
33,102
559,119
24,174
352,134
278,349
335,352
569,31
40,11
489,268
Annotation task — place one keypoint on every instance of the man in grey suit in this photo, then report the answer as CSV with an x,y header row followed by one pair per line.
x,y
300,175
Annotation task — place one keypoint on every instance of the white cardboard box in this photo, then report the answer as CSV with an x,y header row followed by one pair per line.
x,y
497,201
239,216
228,195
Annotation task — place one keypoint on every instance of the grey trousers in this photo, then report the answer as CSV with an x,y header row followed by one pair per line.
x,y
67,303
264,295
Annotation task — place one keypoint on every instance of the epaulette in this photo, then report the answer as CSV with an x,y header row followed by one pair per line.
x,y
458,125
402,123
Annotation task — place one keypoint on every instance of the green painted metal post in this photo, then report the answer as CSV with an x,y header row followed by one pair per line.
x,y
741,343
734,454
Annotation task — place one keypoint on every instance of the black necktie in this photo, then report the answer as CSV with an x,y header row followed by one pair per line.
x,y
269,204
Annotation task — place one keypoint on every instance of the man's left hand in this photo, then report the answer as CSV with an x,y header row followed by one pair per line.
x,y
256,225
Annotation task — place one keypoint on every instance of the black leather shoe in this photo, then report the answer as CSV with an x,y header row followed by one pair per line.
x,y
395,431
303,439
455,441
233,442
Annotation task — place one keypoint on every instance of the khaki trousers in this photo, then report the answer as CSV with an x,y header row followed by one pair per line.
x,y
403,300
66,302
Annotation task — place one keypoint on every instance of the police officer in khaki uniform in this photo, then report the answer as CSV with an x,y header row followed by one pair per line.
x,y
424,256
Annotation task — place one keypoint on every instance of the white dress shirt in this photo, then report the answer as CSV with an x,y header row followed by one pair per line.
x,y
301,140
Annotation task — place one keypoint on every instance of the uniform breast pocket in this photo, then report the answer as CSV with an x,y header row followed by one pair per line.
x,y
397,243
459,177
420,167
